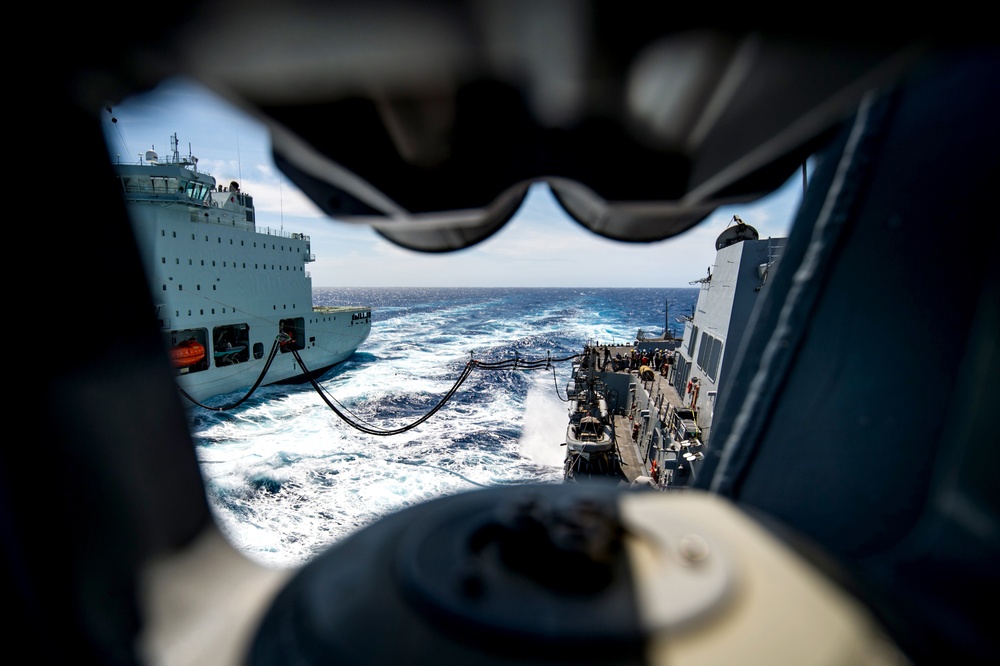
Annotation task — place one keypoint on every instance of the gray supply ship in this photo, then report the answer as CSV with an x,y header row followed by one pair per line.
x,y
233,301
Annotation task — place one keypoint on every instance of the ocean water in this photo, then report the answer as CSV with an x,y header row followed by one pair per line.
x,y
286,476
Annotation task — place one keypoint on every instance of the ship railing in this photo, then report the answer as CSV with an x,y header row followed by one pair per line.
x,y
281,233
246,225
190,163
205,217
134,193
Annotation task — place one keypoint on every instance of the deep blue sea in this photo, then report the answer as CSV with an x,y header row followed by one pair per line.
x,y
286,477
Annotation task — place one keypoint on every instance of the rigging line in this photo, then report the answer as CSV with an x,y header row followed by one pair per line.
x,y
450,471
239,157
118,130
521,363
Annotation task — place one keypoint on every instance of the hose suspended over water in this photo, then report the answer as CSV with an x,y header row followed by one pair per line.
x,y
356,422
263,373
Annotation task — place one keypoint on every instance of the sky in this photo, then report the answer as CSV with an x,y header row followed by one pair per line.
x,y
539,247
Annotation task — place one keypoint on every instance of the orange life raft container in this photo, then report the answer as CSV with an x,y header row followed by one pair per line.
x,y
187,353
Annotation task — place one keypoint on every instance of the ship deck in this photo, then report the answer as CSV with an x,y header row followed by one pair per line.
x,y
633,464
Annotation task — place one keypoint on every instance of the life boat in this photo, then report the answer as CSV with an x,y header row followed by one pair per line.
x,y
187,353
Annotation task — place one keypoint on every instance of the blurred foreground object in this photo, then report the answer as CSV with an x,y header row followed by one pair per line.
x,y
873,443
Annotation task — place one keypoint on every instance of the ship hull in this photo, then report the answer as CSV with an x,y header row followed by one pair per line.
x,y
332,346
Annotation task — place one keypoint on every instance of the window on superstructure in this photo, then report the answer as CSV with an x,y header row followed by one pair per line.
x,y
192,237
180,287
197,287
173,234
713,359
163,260
709,355
177,260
